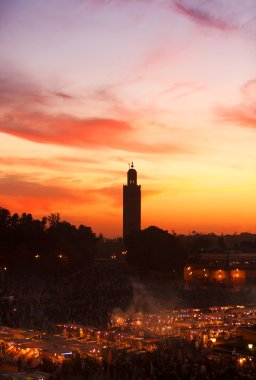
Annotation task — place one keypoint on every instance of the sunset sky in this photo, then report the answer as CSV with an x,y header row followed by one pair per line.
x,y
87,86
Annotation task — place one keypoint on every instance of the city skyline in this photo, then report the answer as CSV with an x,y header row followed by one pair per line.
x,y
89,86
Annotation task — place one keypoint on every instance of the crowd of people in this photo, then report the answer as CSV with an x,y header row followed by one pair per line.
x,y
175,359
88,297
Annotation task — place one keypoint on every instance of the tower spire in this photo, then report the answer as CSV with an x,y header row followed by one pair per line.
x,y
131,203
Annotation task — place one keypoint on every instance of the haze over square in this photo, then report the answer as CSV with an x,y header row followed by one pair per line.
x,y
88,86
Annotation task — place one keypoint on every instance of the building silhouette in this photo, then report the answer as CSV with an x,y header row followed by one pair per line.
x,y
131,203
232,270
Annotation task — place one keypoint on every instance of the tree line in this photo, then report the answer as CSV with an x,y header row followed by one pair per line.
x,y
54,246
46,244
155,249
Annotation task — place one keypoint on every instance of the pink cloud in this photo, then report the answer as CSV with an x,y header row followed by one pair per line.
x,y
181,89
202,17
249,90
15,91
26,114
243,114
63,95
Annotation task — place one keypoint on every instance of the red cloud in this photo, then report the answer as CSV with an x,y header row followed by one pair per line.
x,y
70,131
24,115
201,17
243,114
65,130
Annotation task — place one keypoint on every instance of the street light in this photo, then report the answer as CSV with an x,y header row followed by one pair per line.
x,y
2,270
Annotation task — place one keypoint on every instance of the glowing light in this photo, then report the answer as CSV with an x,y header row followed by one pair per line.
x,y
242,360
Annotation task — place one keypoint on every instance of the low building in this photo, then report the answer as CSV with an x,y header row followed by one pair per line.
x,y
228,270
248,334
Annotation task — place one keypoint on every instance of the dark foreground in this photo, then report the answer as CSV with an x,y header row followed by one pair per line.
x,y
90,296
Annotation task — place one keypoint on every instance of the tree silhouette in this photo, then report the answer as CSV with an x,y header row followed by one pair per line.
x,y
154,249
44,245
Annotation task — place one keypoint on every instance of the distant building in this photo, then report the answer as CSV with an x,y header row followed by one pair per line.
x,y
131,203
235,270
247,333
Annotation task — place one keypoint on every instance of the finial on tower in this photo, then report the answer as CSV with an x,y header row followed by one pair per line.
x,y
132,166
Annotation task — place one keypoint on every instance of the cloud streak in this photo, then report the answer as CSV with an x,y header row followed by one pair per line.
x,y
21,190
244,113
29,112
202,17
64,130
70,131
53,163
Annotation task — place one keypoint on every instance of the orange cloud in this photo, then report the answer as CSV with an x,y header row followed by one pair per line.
x,y
24,115
37,162
65,130
22,193
71,131
27,187
14,185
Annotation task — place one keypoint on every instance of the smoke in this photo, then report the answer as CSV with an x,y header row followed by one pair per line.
x,y
144,300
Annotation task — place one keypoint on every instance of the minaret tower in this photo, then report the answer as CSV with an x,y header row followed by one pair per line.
x,y
131,203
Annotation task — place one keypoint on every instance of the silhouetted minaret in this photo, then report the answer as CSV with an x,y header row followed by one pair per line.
x,y
131,203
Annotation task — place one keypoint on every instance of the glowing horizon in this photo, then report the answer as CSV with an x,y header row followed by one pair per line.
x,y
90,85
